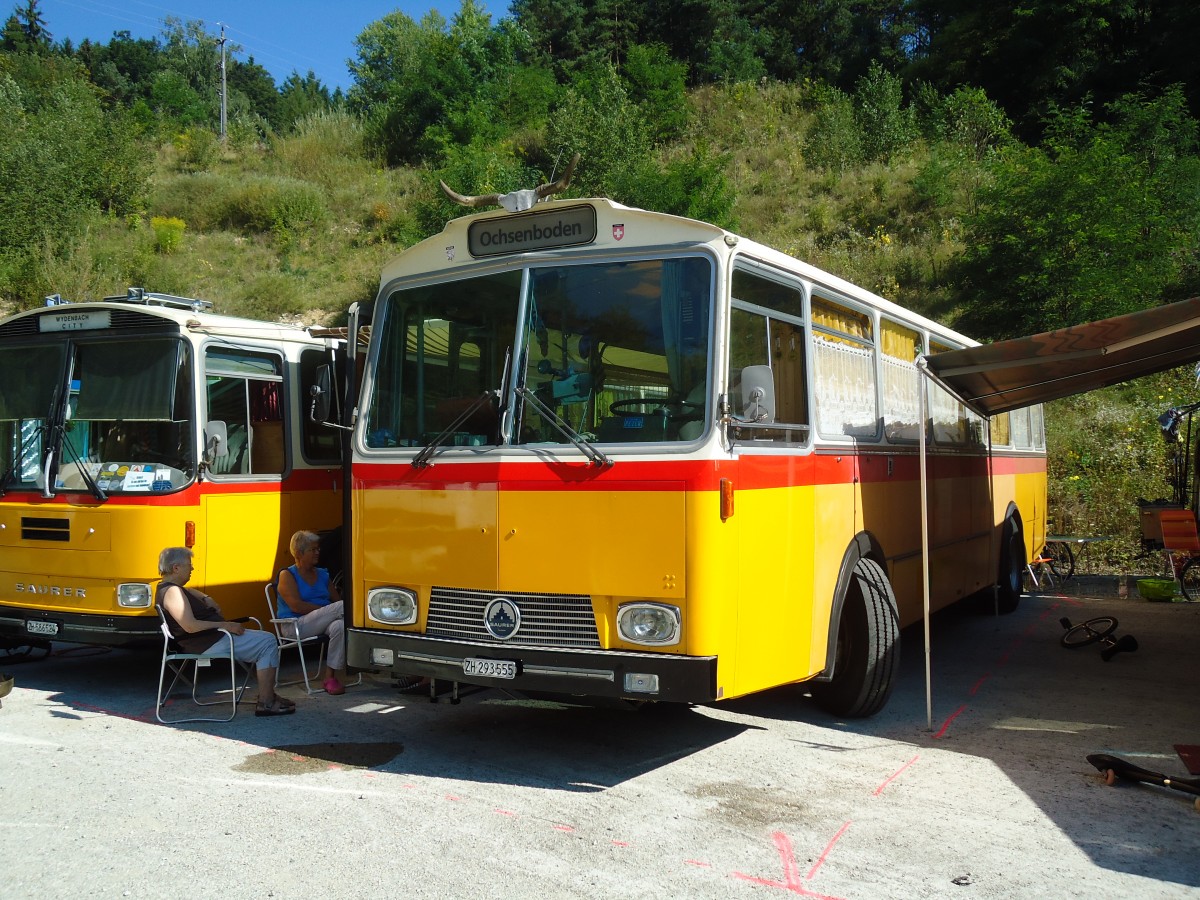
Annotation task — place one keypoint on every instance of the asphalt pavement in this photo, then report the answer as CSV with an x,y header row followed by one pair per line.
x,y
376,792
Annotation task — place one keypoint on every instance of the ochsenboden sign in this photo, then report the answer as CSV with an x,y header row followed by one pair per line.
x,y
567,227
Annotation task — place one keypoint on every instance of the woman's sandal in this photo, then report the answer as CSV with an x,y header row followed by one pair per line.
x,y
281,707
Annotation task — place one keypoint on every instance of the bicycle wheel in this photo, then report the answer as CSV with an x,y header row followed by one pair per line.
x,y
1189,578
1089,632
1062,559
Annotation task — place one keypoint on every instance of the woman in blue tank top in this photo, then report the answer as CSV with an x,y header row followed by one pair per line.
x,y
307,595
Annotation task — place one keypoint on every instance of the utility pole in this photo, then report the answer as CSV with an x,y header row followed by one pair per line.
x,y
221,41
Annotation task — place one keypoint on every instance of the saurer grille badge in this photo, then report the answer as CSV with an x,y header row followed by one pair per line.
x,y
502,618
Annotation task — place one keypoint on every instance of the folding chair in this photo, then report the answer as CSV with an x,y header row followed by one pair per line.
x,y
286,632
177,660
1180,539
1042,570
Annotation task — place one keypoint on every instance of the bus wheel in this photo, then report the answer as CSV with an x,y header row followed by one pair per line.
x,y
1012,566
868,647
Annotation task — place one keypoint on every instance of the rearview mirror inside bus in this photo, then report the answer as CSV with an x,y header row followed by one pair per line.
x,y
758,394
216,440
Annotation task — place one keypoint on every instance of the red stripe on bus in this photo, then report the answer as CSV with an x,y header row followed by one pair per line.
x,y
299,481
749,472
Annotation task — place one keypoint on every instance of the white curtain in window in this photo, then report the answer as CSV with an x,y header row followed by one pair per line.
x,y
845,383
901,403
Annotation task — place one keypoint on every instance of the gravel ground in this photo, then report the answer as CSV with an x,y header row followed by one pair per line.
x,y
377,792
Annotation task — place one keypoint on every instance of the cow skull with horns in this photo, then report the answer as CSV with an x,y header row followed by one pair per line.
x,y
516,201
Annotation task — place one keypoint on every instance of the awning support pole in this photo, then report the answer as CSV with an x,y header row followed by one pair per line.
x,y
922,391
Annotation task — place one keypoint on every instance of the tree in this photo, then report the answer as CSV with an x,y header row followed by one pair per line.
x,y
656,84
421,86
1094,224
1033,55
254,83
63,159
299,98
25,31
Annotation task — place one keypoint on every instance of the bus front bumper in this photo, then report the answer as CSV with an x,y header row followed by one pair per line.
x,y
22,624
620,674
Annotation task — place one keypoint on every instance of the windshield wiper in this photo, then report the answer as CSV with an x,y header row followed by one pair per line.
x,y
421,460
595,457
97,491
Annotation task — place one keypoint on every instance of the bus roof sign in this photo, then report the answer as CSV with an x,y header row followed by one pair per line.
x,y
571,226
74,321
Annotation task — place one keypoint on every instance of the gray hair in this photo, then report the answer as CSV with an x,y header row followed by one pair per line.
x,y
303,541
172,557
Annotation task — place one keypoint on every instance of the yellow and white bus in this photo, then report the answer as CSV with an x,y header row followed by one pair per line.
x,y
139,422
613,453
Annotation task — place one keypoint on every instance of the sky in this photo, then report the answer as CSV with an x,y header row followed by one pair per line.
x,y
282,35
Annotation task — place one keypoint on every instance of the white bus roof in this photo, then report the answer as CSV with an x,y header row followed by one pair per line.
x,y
625,228
200,321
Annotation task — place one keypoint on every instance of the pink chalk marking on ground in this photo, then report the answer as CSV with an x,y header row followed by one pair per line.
x,y
567,828
979,683
946,724
698,863
892,777
621,844
504,812
791,874
452,798
825,853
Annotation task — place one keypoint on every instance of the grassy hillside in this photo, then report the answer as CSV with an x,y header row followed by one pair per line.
x,y
299,228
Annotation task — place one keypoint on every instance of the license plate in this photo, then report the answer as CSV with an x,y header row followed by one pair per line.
x,y
40,626
490,668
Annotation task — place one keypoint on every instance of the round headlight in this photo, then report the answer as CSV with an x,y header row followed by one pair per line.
x,y
649,623
392,606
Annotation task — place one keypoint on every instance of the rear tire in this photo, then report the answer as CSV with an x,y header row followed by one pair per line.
x,y
867,657
1012,566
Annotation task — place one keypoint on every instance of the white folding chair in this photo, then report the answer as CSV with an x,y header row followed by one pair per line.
x,y
177,660
287,633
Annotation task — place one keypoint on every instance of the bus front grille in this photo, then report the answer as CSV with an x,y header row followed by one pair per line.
x,y
547,620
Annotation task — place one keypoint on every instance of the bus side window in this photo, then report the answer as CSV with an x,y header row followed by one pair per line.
x,y
245,391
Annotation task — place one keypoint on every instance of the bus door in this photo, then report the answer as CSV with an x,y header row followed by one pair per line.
x,y
782,618
246,514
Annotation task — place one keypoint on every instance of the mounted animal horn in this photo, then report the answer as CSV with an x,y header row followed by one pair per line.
x,y
516,201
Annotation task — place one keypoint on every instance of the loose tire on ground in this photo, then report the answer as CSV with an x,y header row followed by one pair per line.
x,y
1012,566
868,647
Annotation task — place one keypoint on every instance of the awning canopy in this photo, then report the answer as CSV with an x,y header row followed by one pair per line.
x,y
996,378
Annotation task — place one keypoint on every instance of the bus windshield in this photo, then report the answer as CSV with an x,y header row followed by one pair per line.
x,y
113,415
616,352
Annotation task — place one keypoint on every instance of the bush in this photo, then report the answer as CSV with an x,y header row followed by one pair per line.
x,y
196,149
835,140
168,233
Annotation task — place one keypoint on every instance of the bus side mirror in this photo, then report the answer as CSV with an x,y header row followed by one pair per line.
x,y
320,395
216,440
758,394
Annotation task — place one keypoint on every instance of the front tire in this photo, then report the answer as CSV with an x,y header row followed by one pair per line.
x,y
867,658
